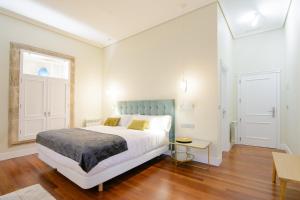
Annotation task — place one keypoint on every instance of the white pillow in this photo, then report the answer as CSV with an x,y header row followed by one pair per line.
x,y
163,122
157,122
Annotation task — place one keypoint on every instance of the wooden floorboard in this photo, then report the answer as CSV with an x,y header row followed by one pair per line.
x,y
245,174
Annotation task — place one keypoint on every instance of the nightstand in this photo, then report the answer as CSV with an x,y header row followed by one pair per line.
x,y
186,156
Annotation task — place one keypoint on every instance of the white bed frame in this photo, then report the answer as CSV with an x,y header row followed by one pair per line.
x,y
87,182
144,107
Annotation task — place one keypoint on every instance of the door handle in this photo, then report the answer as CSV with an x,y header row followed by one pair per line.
x,y
224,113
49,114
273,111
45,114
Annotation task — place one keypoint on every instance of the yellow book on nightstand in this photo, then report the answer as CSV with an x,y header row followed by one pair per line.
x,y
184,140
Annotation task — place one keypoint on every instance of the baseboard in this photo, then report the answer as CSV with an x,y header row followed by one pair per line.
x,y
286,148
202,158
215,161
18,153
228,147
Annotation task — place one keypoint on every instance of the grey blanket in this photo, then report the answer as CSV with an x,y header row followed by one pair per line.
x,y
88,148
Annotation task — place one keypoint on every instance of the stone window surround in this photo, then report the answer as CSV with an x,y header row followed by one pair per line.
x,y
14,84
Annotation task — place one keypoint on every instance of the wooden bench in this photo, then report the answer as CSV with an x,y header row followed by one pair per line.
x,y
287,168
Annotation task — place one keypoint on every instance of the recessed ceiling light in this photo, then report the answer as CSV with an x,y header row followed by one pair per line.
x,y
248,17
255,21
251,18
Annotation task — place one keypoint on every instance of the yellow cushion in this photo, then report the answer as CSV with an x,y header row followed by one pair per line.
x,y
112,121
147,124
138,125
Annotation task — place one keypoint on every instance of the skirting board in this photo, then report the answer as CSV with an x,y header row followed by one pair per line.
x,y
286,148
18,153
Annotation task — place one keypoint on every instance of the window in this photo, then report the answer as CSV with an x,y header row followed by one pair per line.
x,y
44,65
43,72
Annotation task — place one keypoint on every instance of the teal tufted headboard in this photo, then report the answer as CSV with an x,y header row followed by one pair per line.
x,y
150,107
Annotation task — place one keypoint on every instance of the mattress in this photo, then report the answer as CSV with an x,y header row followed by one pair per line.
x,y
138,142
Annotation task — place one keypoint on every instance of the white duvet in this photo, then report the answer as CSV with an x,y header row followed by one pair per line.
x,y
138,142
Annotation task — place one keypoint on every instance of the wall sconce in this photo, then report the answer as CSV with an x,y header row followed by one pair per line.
x,y
184,85
186,104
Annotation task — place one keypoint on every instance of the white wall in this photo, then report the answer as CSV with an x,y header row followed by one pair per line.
x,y
225,64
151,65
88,76
258,53
292,34
261,52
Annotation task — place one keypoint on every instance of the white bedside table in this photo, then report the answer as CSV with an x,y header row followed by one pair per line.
x,y
186,156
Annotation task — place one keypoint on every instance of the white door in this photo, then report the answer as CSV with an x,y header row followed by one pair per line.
x,y
58,104
33,106
259,114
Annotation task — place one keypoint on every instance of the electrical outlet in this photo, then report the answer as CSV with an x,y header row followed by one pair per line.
x,y
191,126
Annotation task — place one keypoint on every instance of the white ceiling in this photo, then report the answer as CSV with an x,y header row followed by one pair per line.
x,y
101,22
247,17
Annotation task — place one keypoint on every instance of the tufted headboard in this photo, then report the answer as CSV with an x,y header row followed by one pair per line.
x,y
150,107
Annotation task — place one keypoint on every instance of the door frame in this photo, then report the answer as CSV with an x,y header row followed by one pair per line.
x,y
277,72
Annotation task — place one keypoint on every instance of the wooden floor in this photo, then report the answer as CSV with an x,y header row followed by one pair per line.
x,y
244,174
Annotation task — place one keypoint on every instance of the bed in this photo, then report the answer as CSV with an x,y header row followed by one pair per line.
x,y
142,146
